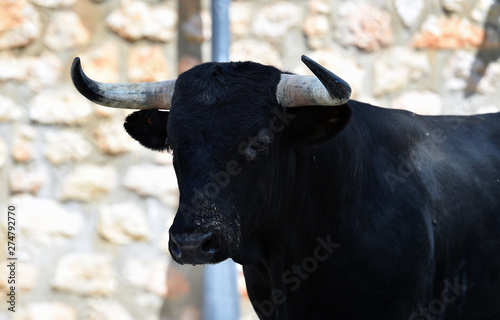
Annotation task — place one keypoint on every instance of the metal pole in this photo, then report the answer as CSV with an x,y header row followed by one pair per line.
x,y
220,30
221,298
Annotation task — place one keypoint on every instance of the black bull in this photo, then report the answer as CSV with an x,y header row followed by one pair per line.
x,y
336,212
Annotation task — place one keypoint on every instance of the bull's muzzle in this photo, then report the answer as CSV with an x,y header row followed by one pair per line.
x,y
193,248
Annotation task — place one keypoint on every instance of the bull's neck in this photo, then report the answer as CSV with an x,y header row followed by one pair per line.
x,y
327,175
330,179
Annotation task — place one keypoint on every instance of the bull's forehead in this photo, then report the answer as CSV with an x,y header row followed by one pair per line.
x,y
222,101
239,84
212,131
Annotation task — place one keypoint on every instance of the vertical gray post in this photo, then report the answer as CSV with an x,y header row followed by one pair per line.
x,y
220,298
220,30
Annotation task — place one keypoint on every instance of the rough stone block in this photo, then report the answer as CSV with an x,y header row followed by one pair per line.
x,y
364,26
23,144
396,68
60,106
274,20
20,23
45,221
409,11
53,4
316,25
441,32
27,179
147,63
319,6
53,310
102,62
108,309
66,146
88,183
85,273
153,276
37,72
9,110
258,51
66,31
152,180
111,138
136,20
123,223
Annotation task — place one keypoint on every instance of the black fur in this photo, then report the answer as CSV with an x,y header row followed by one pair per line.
x,y
348,212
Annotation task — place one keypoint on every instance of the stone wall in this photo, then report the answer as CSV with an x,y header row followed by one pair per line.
x,y
94,207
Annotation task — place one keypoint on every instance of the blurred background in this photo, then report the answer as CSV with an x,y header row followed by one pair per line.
x,y
94,207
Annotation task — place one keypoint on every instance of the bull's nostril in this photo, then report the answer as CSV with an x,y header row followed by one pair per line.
x,y
174,249
210,244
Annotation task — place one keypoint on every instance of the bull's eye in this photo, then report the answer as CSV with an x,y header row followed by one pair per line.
x,y
259,146
255,148
255,145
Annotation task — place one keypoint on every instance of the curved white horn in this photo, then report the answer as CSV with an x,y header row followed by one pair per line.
x,y
147,95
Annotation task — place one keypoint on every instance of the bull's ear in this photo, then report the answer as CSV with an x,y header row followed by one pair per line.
x,y
313,125
149,127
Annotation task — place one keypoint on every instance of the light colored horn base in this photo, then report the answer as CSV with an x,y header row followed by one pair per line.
x,y
301,91
149,95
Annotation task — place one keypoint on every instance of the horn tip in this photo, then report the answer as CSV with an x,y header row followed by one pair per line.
x,y
337,87
76,70
76,63
310,63
83,84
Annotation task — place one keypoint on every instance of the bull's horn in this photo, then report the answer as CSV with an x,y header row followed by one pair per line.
x,y
324,89
148,95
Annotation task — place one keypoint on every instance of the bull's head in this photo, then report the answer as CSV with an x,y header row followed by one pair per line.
x,y
231,126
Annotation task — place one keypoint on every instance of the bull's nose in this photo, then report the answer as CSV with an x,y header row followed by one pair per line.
x,y
193,248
